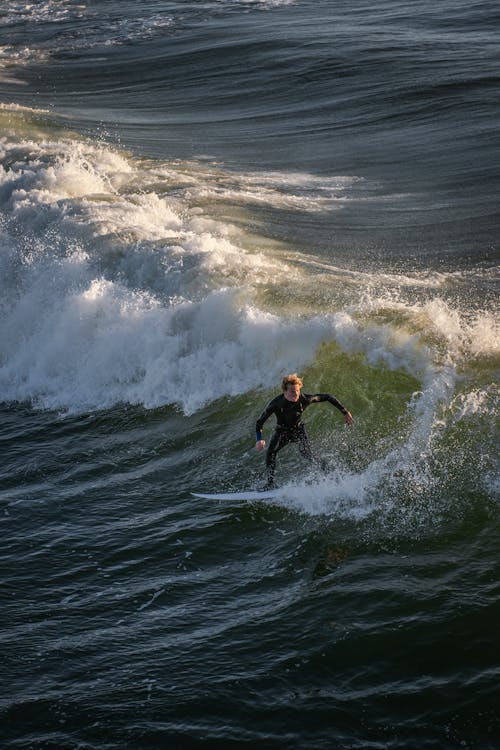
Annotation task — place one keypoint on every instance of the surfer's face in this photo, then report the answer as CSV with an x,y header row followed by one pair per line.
x,y
292,392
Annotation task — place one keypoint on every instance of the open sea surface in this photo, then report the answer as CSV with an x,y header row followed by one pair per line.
x,y
196,198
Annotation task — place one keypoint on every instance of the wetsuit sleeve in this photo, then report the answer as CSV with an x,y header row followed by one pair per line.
x,y
327,397
263,418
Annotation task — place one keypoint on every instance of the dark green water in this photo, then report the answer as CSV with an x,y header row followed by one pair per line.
x,y
195,199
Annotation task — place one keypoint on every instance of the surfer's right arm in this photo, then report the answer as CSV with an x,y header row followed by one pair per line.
x,y
260,442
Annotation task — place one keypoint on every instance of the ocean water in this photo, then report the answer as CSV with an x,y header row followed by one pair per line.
x,y
195,199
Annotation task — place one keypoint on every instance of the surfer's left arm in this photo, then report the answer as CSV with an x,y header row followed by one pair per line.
x,y
348,418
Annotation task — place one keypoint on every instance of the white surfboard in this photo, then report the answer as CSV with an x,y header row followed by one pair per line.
x,y
248,495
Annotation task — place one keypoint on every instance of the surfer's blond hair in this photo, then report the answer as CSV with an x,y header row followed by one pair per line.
x,y
292,379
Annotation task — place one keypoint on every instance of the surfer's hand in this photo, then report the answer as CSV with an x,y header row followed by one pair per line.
x,y
348,418
260,445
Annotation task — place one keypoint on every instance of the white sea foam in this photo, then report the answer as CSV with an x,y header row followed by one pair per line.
x,y
104,345
126,293
42,11
300,191
120,285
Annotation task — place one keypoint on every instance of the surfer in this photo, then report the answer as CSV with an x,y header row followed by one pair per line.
x,y
288,408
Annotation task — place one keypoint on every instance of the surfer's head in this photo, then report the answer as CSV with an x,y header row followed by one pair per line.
x,y
292,379
291,385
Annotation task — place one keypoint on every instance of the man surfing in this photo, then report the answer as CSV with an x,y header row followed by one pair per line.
x,y
288,408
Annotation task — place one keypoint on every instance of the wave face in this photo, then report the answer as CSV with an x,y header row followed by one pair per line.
x,y
195,199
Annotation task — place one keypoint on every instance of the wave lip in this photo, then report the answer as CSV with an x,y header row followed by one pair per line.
x,y
146,282
119,287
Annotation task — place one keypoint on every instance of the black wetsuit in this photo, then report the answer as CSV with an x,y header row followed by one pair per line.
x,y
289,426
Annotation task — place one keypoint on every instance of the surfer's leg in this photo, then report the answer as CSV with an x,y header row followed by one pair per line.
x,y
277,442
306,450
305,446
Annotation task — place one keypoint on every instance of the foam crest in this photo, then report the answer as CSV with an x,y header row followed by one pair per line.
x,y
84,190
285,190
106,345
51,171
76,341
120,285
459,333
465,334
